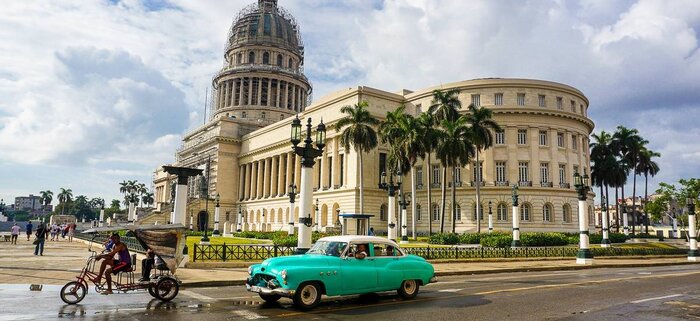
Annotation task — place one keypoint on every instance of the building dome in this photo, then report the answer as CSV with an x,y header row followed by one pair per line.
x,y
264,23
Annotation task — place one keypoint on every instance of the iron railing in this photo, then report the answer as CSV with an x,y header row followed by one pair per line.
x,y
225,252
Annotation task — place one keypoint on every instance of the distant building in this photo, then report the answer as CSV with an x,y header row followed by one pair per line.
x,y
28,203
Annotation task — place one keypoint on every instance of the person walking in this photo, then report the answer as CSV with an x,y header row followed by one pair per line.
x,y
29,230
15,233
71,231
41,232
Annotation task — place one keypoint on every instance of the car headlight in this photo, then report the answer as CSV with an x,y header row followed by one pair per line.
x,y
283,274
250,270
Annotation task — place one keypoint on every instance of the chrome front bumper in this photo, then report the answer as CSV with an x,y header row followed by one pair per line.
x,y
433,279
265,290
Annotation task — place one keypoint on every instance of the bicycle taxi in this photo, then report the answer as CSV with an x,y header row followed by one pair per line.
x,y
166,241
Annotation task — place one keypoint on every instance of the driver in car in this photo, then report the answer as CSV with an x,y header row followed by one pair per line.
x,y
361,251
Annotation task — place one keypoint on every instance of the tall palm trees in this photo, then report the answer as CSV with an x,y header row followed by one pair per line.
x,y
482,126
428,133
65,196
45,198
360,133
603,158
647,166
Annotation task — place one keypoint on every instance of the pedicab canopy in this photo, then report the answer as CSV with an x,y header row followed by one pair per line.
x,y
167,240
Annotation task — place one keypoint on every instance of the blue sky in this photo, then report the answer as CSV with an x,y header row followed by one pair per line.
x,y
97,92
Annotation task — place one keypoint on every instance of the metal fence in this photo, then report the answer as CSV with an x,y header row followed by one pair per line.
x,y
262,252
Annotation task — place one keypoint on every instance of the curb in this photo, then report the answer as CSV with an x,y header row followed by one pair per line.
x,y
202,284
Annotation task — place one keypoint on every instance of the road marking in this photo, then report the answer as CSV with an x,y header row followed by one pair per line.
x,y
480,278
644,273
248,315
450,290
197,296
657,298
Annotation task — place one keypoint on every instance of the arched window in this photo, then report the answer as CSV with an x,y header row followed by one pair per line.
x,y
481,213
418,216
243,115
525,210
291,64
279,60
251,57
458,213
281,116
266,58
382,213
547,212
501,212
436,212
239,58
567,213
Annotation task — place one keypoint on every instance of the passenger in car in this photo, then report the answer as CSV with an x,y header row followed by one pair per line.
x,y
361,251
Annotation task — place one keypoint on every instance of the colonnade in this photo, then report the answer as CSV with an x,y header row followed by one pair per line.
x,y
259,91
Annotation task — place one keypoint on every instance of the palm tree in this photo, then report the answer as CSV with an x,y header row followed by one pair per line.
x,y
359,132
482,126
46,198
603,160
444,106
428,138
618,179
140,189
97,202
147,198
624,141
455,148
65,196
647,166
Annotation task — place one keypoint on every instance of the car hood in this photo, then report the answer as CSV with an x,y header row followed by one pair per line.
x,y
286,262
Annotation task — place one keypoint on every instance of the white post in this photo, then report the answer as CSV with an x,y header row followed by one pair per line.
x,y
180,205
625,223
102,217
191,221
290,230
490,219
306,197
216,221
239,220
584,255
109,221
605,242
404,229
675,228
172,217
693,254
414,206
391,231
516,227
130,215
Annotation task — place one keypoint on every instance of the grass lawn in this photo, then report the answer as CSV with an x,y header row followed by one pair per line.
x,y
645,246
191,240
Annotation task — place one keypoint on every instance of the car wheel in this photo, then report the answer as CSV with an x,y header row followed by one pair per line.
x,y
270,297
307,296
408,289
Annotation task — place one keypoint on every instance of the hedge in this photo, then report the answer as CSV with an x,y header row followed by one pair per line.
x,y
503,239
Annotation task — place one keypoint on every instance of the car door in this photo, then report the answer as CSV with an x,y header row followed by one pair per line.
x,y
388,266
358,275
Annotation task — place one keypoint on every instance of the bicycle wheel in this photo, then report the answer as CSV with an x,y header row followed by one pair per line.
x,y
152,291
73,292
166,289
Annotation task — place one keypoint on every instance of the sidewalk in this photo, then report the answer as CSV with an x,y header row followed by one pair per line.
x,y
62,262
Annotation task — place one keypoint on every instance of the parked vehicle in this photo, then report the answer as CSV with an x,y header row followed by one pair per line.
x,y
340,265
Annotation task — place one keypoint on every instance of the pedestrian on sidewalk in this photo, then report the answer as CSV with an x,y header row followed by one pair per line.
x,y
41,232
71,231
15,233
29,230
54,231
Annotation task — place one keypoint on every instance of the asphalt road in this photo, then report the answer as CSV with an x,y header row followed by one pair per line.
x,y
658,293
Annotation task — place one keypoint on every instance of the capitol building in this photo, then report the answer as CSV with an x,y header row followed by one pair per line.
x,y
245,144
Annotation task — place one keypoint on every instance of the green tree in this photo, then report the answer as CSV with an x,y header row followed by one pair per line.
x,y
647,166
358,130
481,128
428,139
65,196
604,162
147,199
45,198
627,143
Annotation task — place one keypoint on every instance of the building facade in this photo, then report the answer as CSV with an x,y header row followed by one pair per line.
x,y
28,203
245,150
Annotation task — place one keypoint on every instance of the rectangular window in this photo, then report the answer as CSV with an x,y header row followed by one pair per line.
x,y
341,162
521,99
574,142
419,176
500,137
436,212
419,109
573,106
476,100
562,173
560,103
522,136
544,172
576,169
523,175
480,176
502,214
436,174
318,173
560,139
458,175
541,100
581,108
418,213
500,171
329,172
382,165
498,99
458,213
543,138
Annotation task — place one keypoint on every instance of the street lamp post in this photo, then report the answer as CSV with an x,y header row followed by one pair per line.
x,y
490,218
216,216
584,255
693,253
204,191
308,158
292,196
239,219
191,221
337,221
317,224
403,202
391,188
516,217
606,240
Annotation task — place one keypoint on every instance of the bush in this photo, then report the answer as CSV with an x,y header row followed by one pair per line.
x,y
444,239
496,240
544,239
470,238
290,240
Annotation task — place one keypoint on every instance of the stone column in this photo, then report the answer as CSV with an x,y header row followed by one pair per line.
x,y
391,226
246,187
266,178
294,98
241,182
279,95
305,210
584,256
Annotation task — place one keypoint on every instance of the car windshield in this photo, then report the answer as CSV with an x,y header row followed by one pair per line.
x,y
328,248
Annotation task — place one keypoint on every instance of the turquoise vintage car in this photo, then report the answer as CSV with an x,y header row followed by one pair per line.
x,y
340,265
